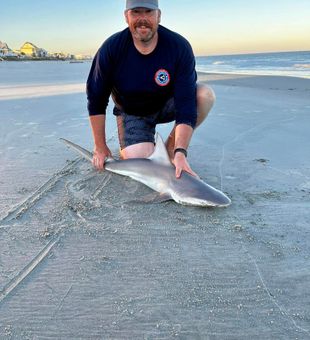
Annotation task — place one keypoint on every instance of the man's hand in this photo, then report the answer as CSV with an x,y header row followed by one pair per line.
x,y
181,164
99,156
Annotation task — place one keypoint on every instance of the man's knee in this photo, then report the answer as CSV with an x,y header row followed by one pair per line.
x,y
139,150
205,100
205,95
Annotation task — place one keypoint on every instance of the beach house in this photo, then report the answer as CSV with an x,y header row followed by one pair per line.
x,y
6,52
31,50
4,49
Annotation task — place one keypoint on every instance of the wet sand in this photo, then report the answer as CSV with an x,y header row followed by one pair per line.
x,y
81,259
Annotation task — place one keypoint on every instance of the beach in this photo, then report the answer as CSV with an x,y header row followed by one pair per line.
x,y
81,258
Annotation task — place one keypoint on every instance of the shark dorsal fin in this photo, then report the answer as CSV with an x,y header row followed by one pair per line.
x,y
160,154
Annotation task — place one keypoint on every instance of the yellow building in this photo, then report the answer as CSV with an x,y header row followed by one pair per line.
x,y
32,50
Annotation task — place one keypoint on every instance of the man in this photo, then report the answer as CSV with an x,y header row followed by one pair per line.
x,y
150,72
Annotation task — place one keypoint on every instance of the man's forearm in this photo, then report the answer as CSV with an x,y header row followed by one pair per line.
x,y
97,123
183,134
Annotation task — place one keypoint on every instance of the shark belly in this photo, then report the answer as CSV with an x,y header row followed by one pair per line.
x,y
143,173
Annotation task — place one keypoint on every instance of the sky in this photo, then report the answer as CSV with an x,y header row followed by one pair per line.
x,y
213,27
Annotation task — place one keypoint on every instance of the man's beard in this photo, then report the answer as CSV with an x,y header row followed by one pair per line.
x,y
141,37
146,38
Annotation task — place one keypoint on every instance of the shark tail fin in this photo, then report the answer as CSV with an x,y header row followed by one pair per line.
x,y
83,152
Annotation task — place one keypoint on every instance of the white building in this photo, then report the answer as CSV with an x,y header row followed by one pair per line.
x,y
4,49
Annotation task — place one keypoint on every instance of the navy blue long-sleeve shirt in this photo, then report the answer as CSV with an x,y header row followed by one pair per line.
x,y
142,84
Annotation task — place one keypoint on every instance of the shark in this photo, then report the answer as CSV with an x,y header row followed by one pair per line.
x,y
158,173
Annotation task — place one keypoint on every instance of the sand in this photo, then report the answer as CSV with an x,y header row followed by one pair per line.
x,y
81,259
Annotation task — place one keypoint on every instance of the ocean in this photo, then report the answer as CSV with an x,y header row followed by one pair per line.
x,y
295,64
27,73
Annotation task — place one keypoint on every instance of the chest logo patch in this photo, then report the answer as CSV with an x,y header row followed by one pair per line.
x,y
162,77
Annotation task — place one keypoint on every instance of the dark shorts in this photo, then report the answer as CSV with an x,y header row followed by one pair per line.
x,y
135,129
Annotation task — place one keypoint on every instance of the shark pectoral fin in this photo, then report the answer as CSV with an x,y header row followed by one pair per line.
x,y
153,197
157,198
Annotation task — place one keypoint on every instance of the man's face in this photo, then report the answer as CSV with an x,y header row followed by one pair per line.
x,y
143,23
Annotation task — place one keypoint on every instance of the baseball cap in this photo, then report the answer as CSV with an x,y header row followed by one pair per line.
x,y
151,4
